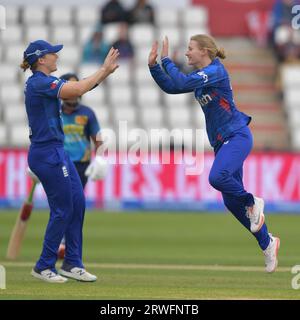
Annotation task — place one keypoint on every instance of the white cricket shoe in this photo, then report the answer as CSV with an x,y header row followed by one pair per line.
x,y
79,274
271,254
256,214
48,275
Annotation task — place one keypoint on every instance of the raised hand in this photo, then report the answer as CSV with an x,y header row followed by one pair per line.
x,y
165,47
110,62
153,54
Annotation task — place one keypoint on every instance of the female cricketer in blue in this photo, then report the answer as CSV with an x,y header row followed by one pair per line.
x,y
227,130
80,127
50,163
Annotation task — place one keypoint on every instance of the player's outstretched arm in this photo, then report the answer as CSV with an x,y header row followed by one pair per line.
x,y
74,89
159,76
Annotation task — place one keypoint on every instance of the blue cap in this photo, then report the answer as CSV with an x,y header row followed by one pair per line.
x,y
39,48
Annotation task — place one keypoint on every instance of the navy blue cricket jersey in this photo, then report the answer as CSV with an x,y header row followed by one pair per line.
x,y
43,108
212,89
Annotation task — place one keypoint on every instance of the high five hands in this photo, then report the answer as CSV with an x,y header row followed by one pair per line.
x,y
153,53
165,48
110,62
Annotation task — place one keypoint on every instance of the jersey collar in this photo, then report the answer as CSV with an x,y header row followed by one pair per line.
x,y
40,73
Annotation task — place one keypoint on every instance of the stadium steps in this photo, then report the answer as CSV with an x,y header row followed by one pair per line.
x,y
253,76
269,138
253,95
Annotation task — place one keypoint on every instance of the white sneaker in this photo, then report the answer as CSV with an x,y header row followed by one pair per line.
x,y
79,274
271,254
48,275
256,215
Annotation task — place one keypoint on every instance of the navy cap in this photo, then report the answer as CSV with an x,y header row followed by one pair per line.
x,y
39,48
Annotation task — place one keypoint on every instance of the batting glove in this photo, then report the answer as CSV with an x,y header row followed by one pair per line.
x,y
97,169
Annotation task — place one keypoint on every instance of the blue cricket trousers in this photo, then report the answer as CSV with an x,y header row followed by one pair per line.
x,y
66,200
226,175
80,168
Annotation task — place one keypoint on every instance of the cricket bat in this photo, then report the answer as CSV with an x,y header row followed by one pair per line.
x,y
20,226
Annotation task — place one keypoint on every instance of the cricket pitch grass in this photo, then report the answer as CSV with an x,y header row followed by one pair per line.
x,y
159,256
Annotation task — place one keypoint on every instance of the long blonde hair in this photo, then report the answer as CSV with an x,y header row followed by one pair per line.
x,y
206,42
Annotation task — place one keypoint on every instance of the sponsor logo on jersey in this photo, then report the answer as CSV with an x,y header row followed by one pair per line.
x,y
204,100
73,129
82,120
203,75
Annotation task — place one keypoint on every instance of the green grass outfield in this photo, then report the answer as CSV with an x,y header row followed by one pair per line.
x,y
160,256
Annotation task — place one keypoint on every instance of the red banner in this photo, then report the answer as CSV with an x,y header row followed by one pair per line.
x,y
273,176
229,17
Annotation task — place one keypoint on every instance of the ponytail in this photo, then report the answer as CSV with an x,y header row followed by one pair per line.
x,y
221,53
25,65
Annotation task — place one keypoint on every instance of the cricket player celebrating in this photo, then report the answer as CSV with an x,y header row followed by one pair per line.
x,y
50,163
227,130
80,126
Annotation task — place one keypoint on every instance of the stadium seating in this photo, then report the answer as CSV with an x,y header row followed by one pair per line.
x,y
195,17
147,94
14,114
122,77
85,15
34,15
8,74
142,34
125,112
11,93
111,32
12,14
60,15
120,95
141,74
177,100
141,56
18,134
296,139
131,86
151,116
83,35
167,17
12,34
179,116
3,135
70,55
95,97
291,76
290,80
174,35
33,33
63,34
103,113
14,54
129,95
